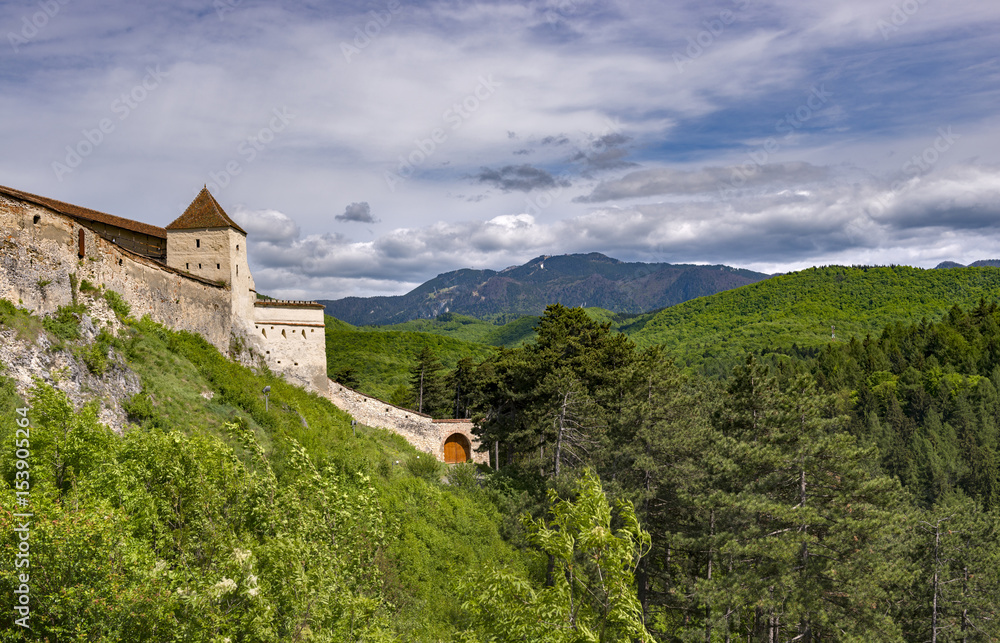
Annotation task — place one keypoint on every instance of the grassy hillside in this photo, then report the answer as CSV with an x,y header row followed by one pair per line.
x,y
474,330
462,327
216,517
470,329
800,308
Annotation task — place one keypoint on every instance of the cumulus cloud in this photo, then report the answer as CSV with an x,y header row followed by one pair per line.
x,y
929,219
266,226
667,181
360,212
521,178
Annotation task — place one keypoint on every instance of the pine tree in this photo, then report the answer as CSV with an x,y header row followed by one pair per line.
x,y
427,384
955,590
564,385
813,529
461,383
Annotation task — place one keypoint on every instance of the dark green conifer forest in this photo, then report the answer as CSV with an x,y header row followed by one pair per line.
x,y
842,494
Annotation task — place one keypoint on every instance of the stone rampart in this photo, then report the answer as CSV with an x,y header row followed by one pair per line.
x,y
292,338
40,249
420,430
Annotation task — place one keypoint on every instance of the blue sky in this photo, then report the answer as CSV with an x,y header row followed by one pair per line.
x,y
368,146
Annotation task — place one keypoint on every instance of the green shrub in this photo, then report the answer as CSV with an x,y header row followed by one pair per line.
x,y
96,356
424,465
86,286
21,320
65,324
95,359
139,408
463,476
117,304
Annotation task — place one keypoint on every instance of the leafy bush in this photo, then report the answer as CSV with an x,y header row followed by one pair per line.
x,y
424,466
96,356
463,476
86,286
158,536
140,409
21,320
117,304
65,324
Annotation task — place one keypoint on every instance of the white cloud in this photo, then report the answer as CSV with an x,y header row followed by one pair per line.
x,y
776,229
601,77
264,226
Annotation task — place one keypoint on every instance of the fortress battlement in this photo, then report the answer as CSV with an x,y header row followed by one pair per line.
x,y
191,275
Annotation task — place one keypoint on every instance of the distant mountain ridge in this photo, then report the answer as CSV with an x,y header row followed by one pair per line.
x,y
574,280
982,263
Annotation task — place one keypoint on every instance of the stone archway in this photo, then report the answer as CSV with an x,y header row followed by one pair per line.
x,y
457,449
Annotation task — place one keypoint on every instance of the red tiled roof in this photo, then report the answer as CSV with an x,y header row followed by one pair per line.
x,y
85,214
204,212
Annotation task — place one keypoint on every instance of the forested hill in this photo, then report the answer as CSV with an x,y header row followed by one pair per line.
x,y
807,309
709,334
573,280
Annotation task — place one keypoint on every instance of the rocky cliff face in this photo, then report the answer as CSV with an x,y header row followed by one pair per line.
x,y
26,358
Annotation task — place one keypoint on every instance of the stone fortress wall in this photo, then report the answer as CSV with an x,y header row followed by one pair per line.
x,y
292,337
206,287
194,279
420,430
40,249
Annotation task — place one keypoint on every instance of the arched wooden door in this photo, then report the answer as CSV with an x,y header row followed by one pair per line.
x,y
456,449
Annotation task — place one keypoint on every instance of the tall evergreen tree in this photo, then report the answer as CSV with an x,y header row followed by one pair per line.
x,y
813,529
428,386
564,385
661,461
957,580
461,383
